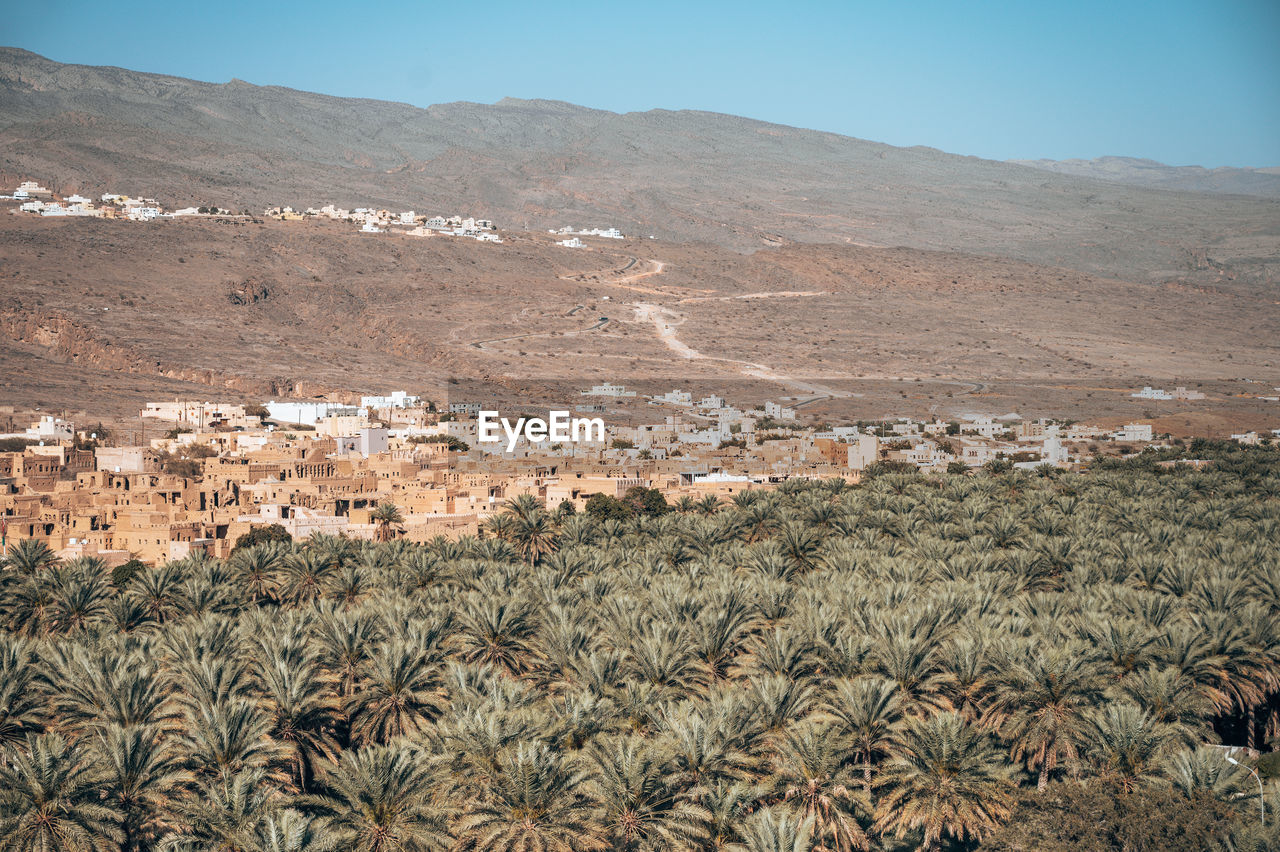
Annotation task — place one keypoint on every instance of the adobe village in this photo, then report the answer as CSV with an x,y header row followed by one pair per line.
x,y
517,476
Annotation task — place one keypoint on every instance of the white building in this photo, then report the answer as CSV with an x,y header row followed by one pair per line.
x,y
608,389
984,426
675,397
1149,392
28,188
406,218
396,399
308,413
864,453
1134,433
572,242
779,412
200,415
50,428
369,441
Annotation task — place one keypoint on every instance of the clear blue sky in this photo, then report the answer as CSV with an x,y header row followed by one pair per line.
x,y
1187,83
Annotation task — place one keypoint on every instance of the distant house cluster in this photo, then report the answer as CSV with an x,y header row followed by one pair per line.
x,y
34,198
1179,392
376,221
218,469
572,237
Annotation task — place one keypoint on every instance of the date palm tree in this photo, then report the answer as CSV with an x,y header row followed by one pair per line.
x,y
29,556
708,505
868,711
705,744
946,780
1205,769
108,685
222,813
345,640
387,521
799,543
1039,706
720,630
159,590
500,526
22,708
307,575
1126,743
289,830
49,799
225,738
140,775
774,830
257,570
381,799
29,603
534,535
907,652
640,809
811,780
536,801
81,593
726,803
496,630
398,692
299,701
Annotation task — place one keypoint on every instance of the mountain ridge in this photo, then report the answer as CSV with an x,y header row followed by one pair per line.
x,y
532,164
1141,171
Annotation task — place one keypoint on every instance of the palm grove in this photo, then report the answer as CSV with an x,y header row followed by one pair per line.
x,y
949,662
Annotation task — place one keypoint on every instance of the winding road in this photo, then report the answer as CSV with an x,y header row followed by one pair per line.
x,y
665,320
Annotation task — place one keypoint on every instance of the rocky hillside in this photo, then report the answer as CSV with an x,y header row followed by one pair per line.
x,y
1149,173
687,176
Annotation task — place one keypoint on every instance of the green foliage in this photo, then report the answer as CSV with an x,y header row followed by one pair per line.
x,y
16,445
646,501
1102,817
1006,662
606,507
123,573
260,533
880,468
454,443
184,467
621,444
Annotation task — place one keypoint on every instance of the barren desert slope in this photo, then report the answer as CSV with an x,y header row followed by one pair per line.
x,y
791,262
